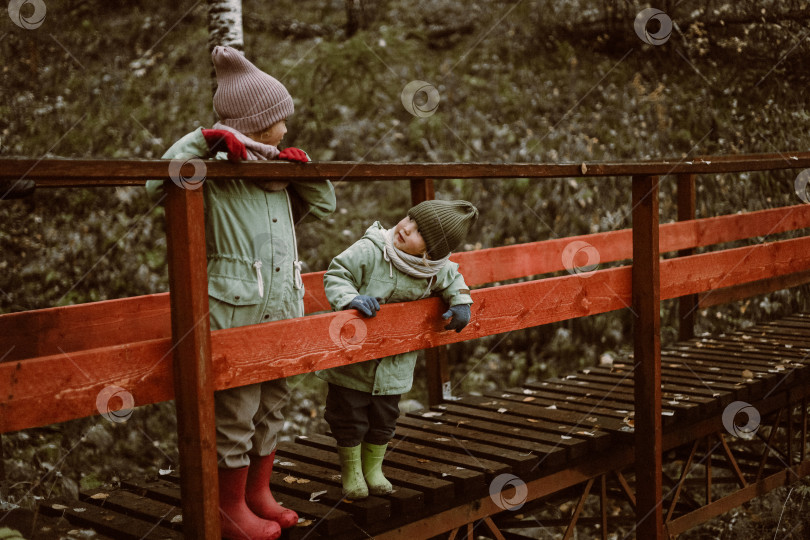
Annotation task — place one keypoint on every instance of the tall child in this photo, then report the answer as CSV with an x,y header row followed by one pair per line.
x,y
253,276
407,262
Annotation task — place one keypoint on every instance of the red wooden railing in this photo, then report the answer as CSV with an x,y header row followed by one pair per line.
x,y
130,344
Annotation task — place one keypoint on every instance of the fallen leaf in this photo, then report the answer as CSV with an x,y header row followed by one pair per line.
x,y
315,495
527,399
290,479
59,507
302,481
503,410
98,496
177,519
532,420
303,522
747,374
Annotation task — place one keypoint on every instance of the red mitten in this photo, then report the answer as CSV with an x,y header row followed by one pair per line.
x,y
220,140
293,154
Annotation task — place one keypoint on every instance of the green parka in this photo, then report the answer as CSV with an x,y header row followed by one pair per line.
x,y
250,241
362,269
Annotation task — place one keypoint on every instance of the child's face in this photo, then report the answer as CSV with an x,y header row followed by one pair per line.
x,y
408,239
271,135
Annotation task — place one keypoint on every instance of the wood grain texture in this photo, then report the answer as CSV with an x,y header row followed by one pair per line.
x,y
69,382
288,347
72,328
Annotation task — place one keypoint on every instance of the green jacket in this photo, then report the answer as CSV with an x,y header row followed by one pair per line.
x,y
362,269
249,239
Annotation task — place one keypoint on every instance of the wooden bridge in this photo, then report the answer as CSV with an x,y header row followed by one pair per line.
x,y
468,464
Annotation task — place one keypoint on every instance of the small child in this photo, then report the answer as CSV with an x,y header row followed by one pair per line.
x,y
253,276
408,262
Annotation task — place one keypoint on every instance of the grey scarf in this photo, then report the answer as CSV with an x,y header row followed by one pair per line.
x,y
418,267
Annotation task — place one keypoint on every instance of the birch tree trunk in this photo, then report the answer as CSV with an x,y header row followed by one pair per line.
x,y
224,28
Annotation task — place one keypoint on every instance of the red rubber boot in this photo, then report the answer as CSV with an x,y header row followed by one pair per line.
x,y
238,521
258,495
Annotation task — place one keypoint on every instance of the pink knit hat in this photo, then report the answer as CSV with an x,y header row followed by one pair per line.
x,y
247,99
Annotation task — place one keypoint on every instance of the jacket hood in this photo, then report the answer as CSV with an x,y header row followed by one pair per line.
x,y
375,233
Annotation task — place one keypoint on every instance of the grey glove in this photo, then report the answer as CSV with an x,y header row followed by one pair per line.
x,y
367,305
461,317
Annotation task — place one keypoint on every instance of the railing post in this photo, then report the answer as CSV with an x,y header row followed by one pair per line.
x,y
647,353
436,363
687,305
191,346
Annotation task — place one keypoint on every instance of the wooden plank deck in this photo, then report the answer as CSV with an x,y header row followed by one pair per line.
x,y
447,456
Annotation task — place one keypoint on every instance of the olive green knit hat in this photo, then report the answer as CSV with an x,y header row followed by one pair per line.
x,y
443,224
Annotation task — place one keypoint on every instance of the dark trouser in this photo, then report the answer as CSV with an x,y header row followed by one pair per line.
x,y
356,416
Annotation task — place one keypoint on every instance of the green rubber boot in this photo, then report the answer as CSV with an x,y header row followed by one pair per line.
x,y
351,472
373,455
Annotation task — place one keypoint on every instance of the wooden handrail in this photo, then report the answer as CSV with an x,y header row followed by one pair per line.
x,y
38,332
97,173
294,346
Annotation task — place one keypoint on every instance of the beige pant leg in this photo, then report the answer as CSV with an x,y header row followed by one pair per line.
x,y
269,419
235,409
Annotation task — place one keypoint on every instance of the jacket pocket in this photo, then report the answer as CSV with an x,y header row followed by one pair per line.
x,y
234,291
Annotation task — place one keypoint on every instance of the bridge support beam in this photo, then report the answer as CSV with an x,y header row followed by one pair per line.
x,y
191,349
687,305
647,362
436,361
